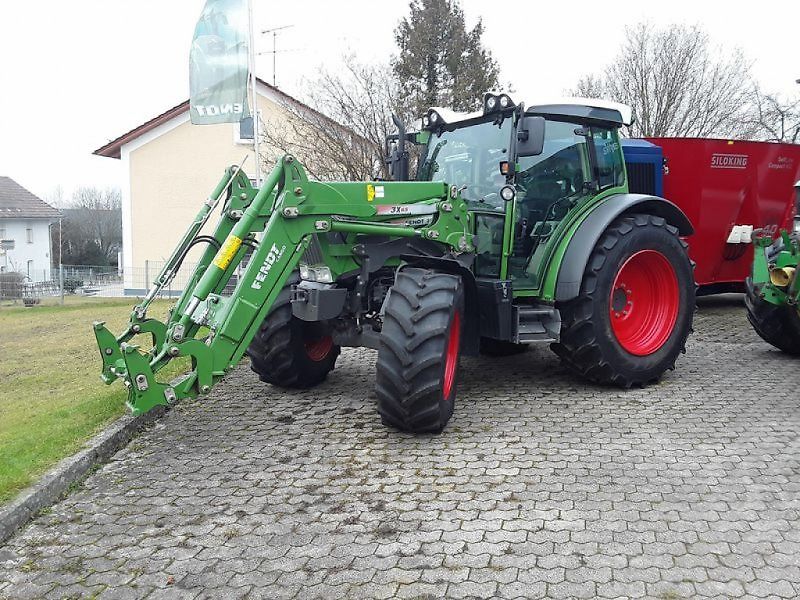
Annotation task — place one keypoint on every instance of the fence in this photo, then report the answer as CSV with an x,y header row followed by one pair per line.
x,y
77,279
89,274
17,286
102,281
140,278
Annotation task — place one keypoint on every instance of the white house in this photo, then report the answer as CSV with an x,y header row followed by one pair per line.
x,y
25,222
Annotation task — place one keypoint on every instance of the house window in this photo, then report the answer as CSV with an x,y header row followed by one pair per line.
x,y
245,130
29,235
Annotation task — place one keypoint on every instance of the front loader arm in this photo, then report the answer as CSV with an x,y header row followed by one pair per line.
x,y
283,214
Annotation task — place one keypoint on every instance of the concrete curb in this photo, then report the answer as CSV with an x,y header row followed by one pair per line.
x,y
55,483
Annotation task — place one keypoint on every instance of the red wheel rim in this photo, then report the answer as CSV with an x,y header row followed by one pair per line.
x,y
317,350
644,302
451,359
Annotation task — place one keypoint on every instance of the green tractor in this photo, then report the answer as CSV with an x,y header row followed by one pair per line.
x,y
517,229
773,290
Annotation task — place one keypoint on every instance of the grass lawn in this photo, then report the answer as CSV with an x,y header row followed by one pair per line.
x,y
51,395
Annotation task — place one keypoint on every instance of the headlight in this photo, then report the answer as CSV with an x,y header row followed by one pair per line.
x,y
425,121
507,193
492,102
324,274
434,117
318,273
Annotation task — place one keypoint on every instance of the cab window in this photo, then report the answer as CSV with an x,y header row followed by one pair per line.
x,y
609,170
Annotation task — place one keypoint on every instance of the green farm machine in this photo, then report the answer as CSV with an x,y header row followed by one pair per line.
x,y
773,290
517,228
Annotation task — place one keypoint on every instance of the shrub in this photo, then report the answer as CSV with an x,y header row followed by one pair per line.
x,y
70,285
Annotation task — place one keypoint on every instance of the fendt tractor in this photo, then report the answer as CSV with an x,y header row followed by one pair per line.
x,y
517,229
773,290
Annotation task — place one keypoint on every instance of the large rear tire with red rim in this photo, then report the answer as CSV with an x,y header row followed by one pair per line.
x,y
291,353
420,347
634,312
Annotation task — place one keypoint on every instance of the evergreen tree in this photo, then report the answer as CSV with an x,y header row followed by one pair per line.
x,y
440,63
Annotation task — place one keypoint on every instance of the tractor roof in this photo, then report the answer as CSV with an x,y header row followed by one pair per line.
x,y
580,108
585,108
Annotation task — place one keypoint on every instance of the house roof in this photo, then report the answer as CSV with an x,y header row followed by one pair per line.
x,y
17,203
113,148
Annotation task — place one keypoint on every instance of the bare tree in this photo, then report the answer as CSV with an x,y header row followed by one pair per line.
x,y
342,136
774,118
92,227
677,83
56,197
589,86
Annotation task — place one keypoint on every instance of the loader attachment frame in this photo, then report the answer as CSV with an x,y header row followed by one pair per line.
x,y
276,223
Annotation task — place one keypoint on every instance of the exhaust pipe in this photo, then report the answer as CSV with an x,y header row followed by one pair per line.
x,y
781,276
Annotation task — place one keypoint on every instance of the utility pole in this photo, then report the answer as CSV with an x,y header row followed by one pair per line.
x,y
60,265
253,91
274,31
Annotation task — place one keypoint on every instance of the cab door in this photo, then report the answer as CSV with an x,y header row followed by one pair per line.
x,y
549,188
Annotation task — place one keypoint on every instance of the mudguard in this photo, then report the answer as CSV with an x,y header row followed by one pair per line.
x,y
585,238
470,335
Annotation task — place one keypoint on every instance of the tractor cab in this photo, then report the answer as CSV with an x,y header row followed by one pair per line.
x,y
525,173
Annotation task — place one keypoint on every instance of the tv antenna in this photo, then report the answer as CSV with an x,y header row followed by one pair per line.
x,y
274,31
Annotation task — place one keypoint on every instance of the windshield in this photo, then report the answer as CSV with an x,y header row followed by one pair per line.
x,y
470,158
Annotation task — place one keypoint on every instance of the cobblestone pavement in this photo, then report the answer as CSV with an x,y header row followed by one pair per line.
x,y
541,486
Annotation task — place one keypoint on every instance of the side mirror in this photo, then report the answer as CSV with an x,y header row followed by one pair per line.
x,y
530,136
395,150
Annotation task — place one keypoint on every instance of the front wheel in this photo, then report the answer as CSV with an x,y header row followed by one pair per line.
x,y
776,325
635,308
420,347
291,353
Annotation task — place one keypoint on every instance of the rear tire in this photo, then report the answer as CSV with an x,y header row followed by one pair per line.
x,y
776,325
417,367
291,353
635,308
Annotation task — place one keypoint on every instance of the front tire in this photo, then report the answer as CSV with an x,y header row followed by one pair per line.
x,y
635,308
420,347
776,325
291,353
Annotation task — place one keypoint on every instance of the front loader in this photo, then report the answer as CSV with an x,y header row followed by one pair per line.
x,y
518,228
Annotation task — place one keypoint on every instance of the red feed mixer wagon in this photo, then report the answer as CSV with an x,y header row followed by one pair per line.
x,y
727,189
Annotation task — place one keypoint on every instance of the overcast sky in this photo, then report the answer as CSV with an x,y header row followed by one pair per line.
x,y
78,73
